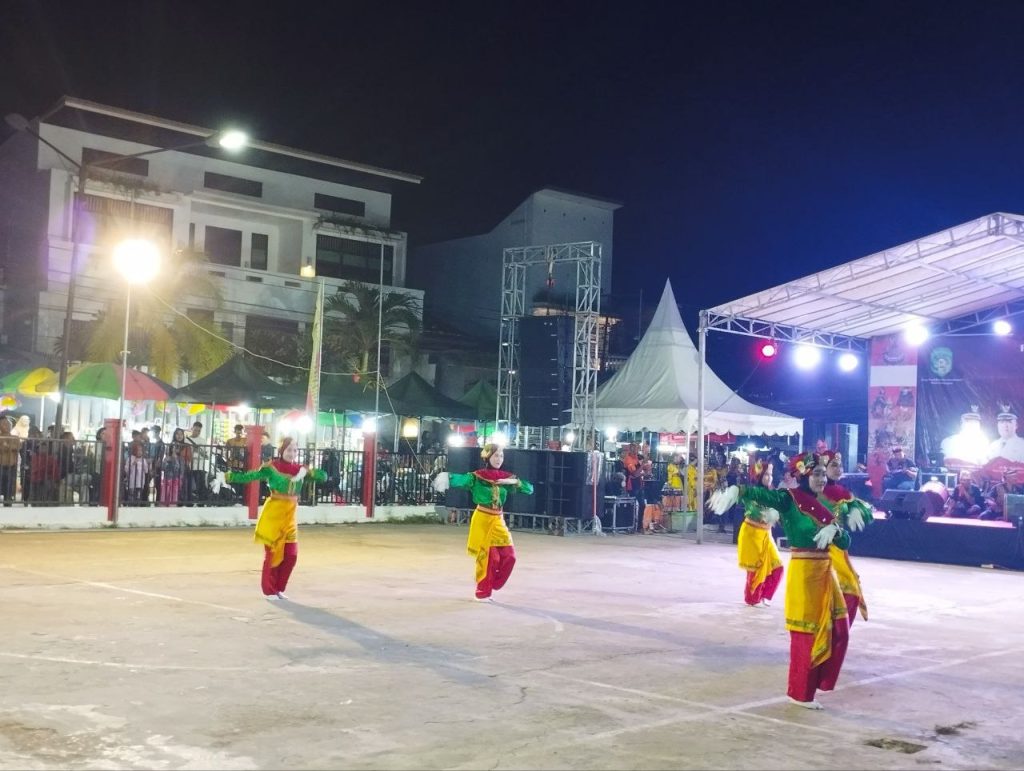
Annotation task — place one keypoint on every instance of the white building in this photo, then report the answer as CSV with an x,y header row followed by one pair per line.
x,y
260,215
462,276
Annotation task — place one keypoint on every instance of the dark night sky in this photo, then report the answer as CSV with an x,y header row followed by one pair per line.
x,y
751,143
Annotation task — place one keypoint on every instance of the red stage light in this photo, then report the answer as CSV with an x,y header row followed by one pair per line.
x,y
769,350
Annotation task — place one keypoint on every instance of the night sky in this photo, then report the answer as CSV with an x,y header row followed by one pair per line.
x,y
751,143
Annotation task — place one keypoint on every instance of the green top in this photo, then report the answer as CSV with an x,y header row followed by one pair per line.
x,y
484,493
276,481
800,527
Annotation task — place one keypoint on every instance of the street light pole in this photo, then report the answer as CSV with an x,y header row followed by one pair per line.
x,y
228,139
119,465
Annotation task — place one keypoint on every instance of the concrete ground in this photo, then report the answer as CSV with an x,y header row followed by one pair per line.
x,y
156,650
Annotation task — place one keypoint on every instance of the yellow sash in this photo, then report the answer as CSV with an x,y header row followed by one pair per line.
x,y
756,551
849,581
813,600
276,525
486,529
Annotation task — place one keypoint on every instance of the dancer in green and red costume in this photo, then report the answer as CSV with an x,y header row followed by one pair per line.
x,y
489,542
755,547
816,614
277,528
849,580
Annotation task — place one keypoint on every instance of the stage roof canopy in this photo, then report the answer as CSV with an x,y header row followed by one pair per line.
x,y
959,277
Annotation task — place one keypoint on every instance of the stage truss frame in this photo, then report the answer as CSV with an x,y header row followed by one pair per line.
x,y
516,261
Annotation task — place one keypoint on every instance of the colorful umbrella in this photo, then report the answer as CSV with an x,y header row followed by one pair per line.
x,y
29,382
104,380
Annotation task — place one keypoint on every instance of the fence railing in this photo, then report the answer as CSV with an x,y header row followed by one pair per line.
x,y
57,472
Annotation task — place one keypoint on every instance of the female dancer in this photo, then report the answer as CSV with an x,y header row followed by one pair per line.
x,y
276,528
490,542
756,548
816,615
849,580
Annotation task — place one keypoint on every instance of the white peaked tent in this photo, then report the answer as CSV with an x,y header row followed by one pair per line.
x,y
657,388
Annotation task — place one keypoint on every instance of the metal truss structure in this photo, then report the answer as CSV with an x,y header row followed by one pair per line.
x,y
784,333
516,261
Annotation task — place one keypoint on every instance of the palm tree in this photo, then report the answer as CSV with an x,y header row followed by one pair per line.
x,y
351,317
192,344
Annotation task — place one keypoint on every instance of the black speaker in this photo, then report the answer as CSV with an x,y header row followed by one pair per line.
x,y
911,504
545,370
842,437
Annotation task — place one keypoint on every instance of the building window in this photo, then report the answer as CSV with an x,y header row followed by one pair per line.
x,y
233,184
347,258
223,246
108,221
138,167
259,252
267,335
339,205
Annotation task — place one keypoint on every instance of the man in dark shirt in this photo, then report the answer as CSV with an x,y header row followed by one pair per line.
x,y
902,473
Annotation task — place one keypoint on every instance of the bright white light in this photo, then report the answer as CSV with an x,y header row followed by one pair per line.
x,y
307,271
915,334
242,407
303,424
456,440
848,362
499,438
570,437
137,259
1002,327
807,356
369,425
611,434
750,447
410,428
55,396
233,139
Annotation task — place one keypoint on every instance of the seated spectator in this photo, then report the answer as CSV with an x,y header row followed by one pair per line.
x,y
965,499
902,474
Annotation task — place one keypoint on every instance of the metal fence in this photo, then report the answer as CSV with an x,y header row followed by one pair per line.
x,y
56,472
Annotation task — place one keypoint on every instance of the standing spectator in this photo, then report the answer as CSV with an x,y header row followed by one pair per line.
x,y
65,450
236,455
198,459
44,473
96,466
10,447
137,474
29,448
156,457
171,473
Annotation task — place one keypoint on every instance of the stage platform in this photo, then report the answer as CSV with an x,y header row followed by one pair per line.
x,y
944,540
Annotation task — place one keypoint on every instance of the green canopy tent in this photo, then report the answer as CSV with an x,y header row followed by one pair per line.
x,y
237,381
414,396
483,398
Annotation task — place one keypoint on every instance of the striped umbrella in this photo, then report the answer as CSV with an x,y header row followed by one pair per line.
x,y
104,380
29,382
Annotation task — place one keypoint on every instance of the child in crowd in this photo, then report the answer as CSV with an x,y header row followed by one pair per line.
x,y
137,474
172,470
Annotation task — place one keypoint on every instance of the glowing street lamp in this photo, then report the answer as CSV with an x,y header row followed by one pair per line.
x,y
231,140
138,262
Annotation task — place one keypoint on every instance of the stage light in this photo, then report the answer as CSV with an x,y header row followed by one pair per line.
x,y
848,362
769,350
369,424
611,434
807,356
456,440
570,437
915,334
499,438
1002,327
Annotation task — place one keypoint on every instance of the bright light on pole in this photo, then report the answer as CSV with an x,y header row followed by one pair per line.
x,y
915,334
848,362
1002,327
807,356
138,262
232,139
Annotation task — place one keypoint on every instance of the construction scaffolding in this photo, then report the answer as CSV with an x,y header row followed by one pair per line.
x,y
516,262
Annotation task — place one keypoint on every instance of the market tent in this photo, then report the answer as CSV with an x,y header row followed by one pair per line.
x,y
237,381
482,397
657,389
412,395
342,394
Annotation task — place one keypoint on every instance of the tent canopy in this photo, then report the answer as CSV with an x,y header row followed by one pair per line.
x,y
237,381
482,397
656,389
343,394
412,395
963,270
